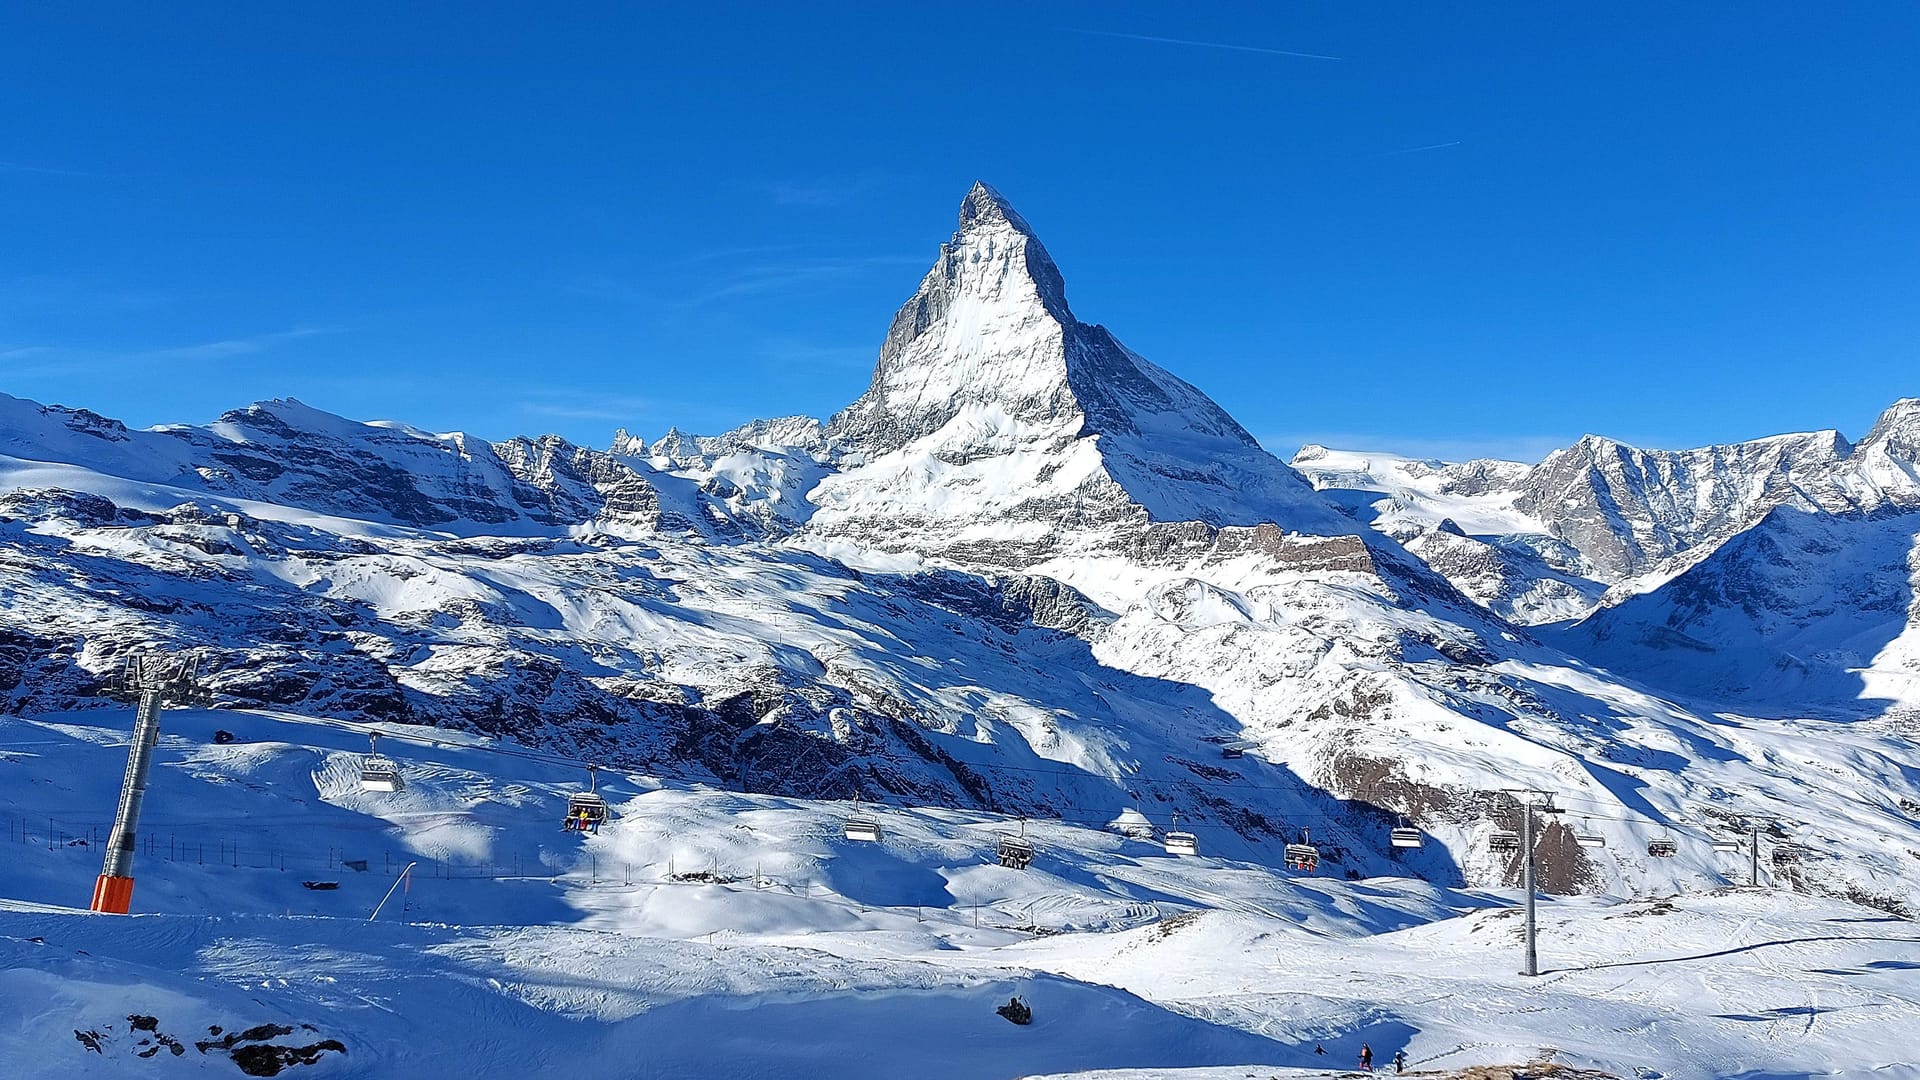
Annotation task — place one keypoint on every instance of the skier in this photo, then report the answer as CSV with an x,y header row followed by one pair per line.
x,y
1366,1057
1399,1061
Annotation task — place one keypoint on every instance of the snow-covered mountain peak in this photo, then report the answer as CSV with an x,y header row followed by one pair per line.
x,y
985,208
995,413
1897,430
290,419
1885,466
988,341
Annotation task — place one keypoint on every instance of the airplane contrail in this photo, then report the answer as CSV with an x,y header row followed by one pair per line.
x,y
1207,44
1418,149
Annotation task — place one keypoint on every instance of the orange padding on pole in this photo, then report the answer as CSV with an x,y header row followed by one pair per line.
x,y
113,895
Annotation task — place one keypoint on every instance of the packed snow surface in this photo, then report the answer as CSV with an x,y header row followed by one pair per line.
x,y
786,950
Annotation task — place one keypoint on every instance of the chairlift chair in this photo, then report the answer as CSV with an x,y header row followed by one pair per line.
x,y
1016,851
1663,847
1788,853
863,827
1586,837
1181,843
1726,845
1406,838
378,773
586,810
1303,855
1505,841
1231,751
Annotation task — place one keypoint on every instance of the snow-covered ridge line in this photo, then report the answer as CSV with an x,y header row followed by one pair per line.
x,y
1543,543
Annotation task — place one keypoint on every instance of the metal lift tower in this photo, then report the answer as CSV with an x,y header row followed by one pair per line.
x,y
153,678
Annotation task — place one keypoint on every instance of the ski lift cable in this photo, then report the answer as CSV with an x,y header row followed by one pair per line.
x,y
494,745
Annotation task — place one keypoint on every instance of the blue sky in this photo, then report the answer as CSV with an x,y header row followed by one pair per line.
x,y
1447,229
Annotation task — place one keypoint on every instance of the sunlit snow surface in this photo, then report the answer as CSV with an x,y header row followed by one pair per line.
x,y
529,949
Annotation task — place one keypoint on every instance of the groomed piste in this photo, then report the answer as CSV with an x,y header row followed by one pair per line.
x,y
708,932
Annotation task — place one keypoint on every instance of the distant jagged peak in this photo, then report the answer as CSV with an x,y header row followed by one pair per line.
x,y
801,435
1823,447
1897,429
1886,464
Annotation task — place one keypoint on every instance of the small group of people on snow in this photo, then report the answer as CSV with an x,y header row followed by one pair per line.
x,y
1366,1057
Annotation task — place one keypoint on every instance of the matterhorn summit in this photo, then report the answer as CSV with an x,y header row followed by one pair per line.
x,y
989,336
1001,427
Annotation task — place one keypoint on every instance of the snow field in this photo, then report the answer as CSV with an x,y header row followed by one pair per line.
x,y
847,959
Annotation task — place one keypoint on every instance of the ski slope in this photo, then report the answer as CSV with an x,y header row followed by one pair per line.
x,y
788,951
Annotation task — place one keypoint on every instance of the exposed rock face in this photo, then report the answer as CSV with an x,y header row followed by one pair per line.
x,y
1627,509
1600,522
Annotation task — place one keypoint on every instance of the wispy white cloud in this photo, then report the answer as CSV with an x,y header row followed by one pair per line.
x,y
39,292
40,170
813,355
1420,149
1207,44
709,277
578,403
558,411
32,361
241,346
823,191
792,273
755,250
